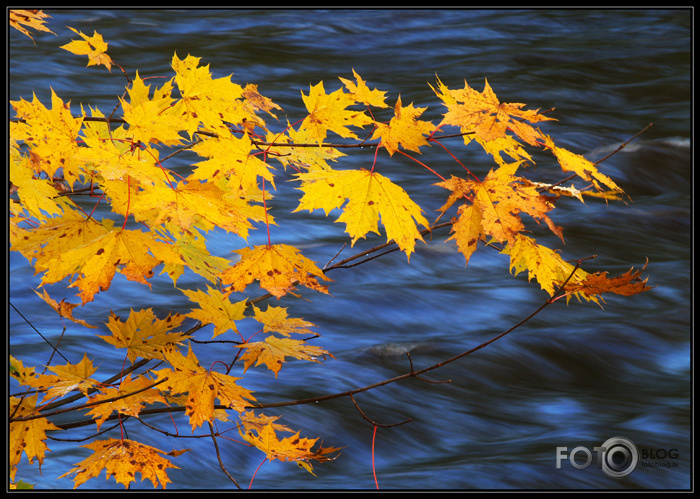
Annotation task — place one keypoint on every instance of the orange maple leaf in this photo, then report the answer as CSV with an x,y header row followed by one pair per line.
x,y
67,378
404,129
122,459
627,284
143,334
291,448
466,230
202,387
34,19
64,309
256,102
257,422
275,319
278,267
496,204
370,195
92,46
328,112
130,405
503,196
273,351
27,436
485,115
97,261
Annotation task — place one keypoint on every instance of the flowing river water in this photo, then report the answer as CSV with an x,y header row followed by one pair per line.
x,y
574,376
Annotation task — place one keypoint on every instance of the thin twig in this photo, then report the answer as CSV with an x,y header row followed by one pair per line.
x,y
44,414
218,456
413,374
624,144
373,422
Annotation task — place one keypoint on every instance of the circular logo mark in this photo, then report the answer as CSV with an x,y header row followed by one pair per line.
x,y
619,457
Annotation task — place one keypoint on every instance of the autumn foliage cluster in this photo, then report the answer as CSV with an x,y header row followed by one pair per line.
x,y
120,160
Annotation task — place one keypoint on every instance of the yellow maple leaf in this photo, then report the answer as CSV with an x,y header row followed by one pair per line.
x,y
50,134
257,422
206,205
307,157
97,261
273,351
92,46
485,115
193,250
130,405
202,387
370,195
256,102
545,265
113,159
38,196
275,319
27,436
507,145
571,162
292,448
64,309
212,102
404,129
216,308
122,459
360,92
52,239
143,334
152,120
572,191
230,156
21,373
67,378
34,19
328,112
278,267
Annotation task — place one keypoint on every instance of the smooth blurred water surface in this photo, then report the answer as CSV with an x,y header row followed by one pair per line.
x,y
573,376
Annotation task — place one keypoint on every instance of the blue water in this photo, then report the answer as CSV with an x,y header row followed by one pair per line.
x,y
573,376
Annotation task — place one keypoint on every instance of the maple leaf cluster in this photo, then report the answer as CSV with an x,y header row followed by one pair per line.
x,y
119,162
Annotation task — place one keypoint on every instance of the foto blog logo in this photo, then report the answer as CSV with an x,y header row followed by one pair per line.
x,y
617,457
